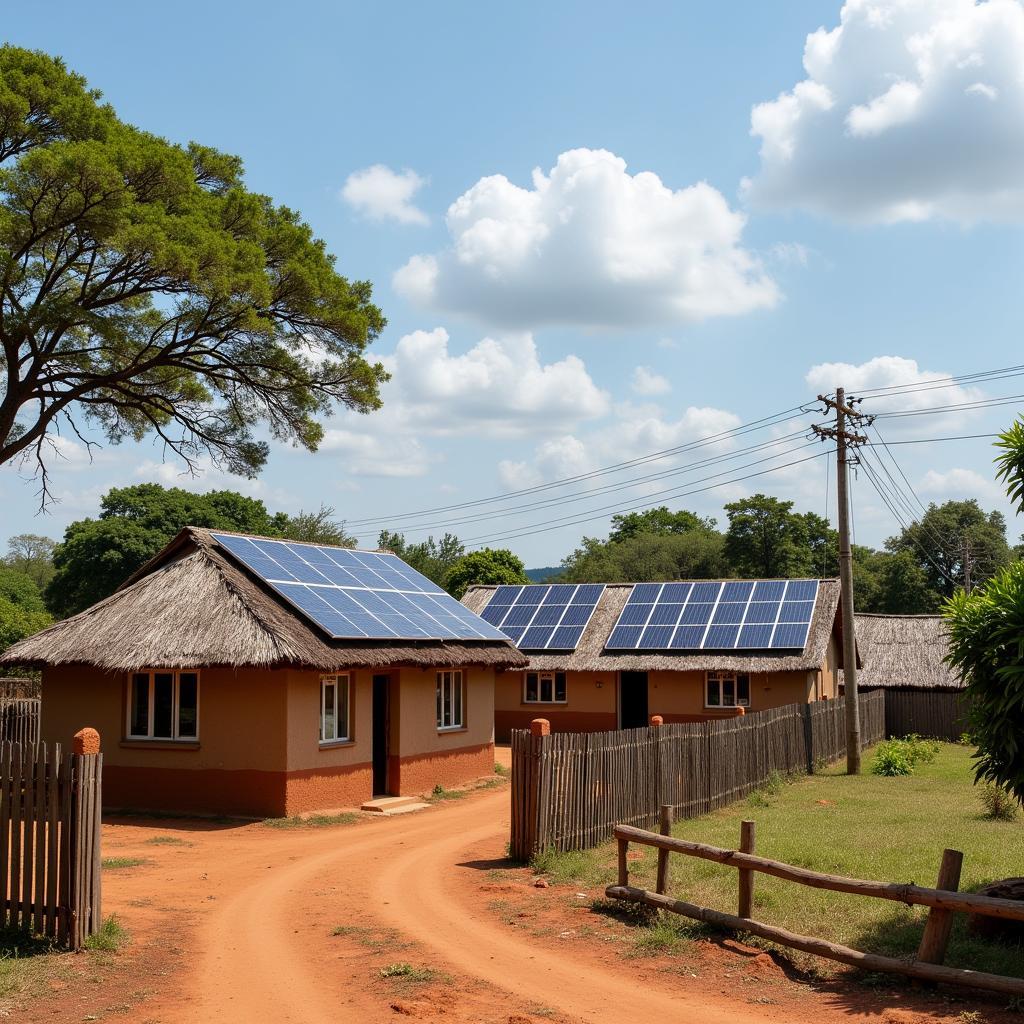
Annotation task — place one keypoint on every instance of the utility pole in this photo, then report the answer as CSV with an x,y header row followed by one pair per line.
x,y
845,414
965,562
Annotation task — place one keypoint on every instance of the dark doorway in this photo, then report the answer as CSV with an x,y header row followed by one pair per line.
x,y
381,729
633,700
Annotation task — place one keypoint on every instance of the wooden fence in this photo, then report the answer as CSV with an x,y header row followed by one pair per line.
x,y
19,720
941,714
944,901
569,790
50,841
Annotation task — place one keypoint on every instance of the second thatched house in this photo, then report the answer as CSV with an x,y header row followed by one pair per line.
x,y
903,652
242,675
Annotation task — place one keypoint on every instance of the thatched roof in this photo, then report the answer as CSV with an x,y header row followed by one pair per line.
x,y
904,651
193,606
590,654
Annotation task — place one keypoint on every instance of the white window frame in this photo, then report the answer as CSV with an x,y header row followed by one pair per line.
x,y
148,736
718,679
551,679
454,681
342,684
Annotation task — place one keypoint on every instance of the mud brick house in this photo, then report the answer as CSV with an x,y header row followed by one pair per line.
x,y
610,656
243,675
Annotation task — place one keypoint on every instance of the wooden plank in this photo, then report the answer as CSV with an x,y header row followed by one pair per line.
x,y
940,922
56,778
97,851
746,876
5,831
666,830
39,830
908,893
64,861
14,898
819,947
27,835
623,861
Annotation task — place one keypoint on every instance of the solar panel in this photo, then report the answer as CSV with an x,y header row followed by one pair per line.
x,y
719,615
542,617
357,595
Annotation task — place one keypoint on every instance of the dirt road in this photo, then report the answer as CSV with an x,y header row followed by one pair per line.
x,y
251,915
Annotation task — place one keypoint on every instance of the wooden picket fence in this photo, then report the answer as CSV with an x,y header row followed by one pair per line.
x,y
940,714
570,790
50,864
19,720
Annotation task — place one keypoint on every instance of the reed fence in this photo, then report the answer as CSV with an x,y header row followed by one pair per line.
x,y
50,864
940,714
570,790
944,901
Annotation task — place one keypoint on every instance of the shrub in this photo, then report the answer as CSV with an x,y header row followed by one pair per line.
x,y
900,757
111,936
1000,804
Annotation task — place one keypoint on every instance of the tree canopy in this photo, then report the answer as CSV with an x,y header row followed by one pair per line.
x,y
488,566
145,290
22,612
767,539
32,554
430,557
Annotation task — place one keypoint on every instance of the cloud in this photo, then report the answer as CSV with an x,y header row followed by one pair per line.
x,y
380,193
894,372
379,453
554,459
911,110
590,245
959,482
647,382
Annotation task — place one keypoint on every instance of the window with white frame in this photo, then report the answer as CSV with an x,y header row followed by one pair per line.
x,y
163,705
727,690
450,702
544,688
334,709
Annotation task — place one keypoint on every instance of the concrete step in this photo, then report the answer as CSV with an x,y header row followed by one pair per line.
x,y
394,804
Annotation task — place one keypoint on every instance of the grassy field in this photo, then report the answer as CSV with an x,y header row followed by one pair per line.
x,y
889,829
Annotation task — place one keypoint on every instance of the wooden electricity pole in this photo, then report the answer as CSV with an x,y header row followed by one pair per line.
x,y
844,439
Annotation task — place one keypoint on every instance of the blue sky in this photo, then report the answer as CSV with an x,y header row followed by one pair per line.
x,y
879,227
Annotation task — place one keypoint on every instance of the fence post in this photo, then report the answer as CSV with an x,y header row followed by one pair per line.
x,y
746,900
539,728
623,862
666,830
83,826
937,928
809,738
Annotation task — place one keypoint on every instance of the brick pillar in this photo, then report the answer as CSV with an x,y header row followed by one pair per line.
x,y
540,727
86,741
657,720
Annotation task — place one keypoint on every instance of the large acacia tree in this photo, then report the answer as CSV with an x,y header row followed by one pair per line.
x,y
144,290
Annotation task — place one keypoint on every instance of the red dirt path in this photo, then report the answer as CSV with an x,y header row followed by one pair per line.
x,y
237,927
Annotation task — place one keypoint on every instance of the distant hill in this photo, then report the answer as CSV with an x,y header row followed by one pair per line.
x,y
543,575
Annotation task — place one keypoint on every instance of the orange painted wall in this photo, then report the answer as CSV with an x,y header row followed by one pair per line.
x,y
589,707
420,773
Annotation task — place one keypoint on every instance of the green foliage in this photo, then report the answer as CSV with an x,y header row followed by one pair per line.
x,y
901,756
407,972
999,804
486,566
659,522
647,557
22,611
98,555
31,554
1010,461
317,528
111,936
143,288
986,648
431,558
119,863
766,538
313,820
936,544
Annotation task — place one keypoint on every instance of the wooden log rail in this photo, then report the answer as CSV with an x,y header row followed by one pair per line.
x,y
927,966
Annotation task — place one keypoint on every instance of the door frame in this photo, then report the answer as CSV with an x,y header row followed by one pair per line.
x,y
619,687
380,734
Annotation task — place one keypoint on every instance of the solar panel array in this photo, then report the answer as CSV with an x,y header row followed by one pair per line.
x,y
357,595
544,618
731,615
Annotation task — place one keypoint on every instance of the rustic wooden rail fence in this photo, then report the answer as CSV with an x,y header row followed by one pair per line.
x,y
944,901
570,790
50,807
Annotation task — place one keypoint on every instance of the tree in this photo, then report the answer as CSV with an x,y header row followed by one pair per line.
x,y
431,558
946,536
22,612
486,566
767,539
891,584
144,290
658,521
98,555
32,554
647,557
317,528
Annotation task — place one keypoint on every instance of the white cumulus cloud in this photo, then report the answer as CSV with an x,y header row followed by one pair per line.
x,y
911,110
380,193
958,482
590,245
647,382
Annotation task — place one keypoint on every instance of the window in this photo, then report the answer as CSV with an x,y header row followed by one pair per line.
x,y
544,688
164,706
727,690
334,709
449,700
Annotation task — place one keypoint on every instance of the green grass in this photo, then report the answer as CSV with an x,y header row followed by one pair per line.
x,y
313,820
440,793
118,863
28,964
111,936
407,972
168,841
869,826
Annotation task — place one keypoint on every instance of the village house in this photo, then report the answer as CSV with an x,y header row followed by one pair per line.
x,y
903,652
249,676
688,651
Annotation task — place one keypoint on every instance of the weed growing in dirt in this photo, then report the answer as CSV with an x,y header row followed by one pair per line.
x,y
440,793
168,841
28,964
117,863
111,936
407,972
500,769
372,938
313,820
575,866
